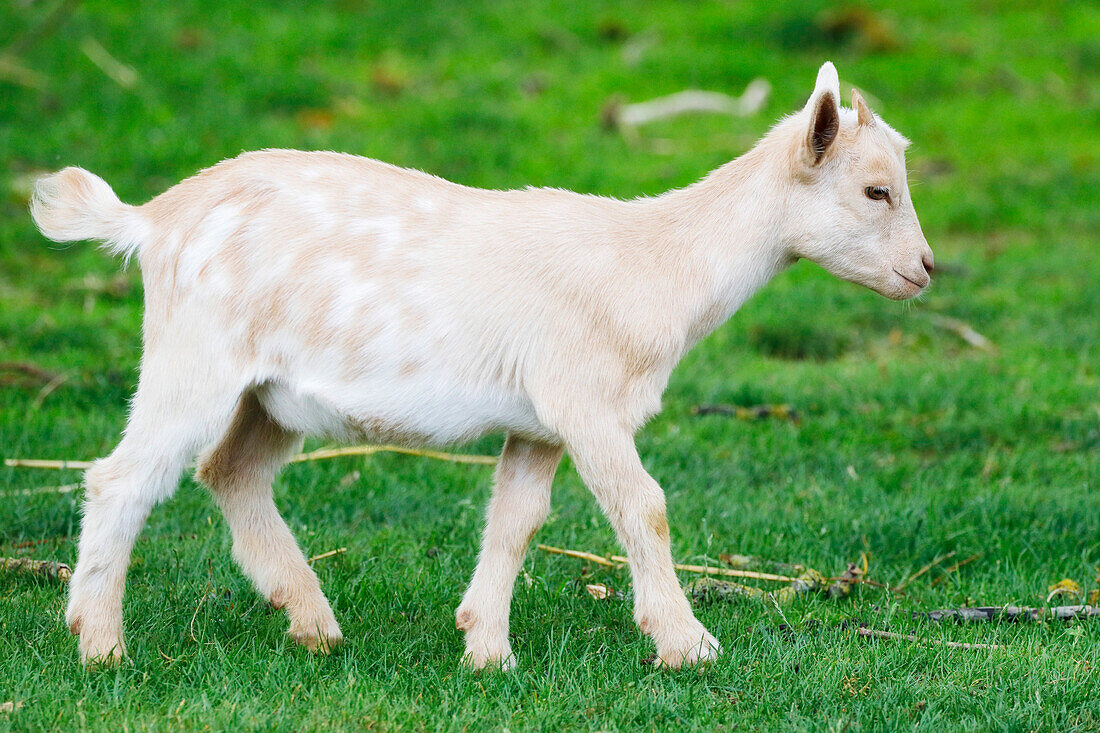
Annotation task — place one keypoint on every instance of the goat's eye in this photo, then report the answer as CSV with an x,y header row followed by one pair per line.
x,y
877,193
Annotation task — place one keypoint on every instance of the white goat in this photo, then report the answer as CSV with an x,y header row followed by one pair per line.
x,y
291,294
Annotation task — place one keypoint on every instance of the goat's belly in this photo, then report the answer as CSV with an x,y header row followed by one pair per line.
x,y
409,412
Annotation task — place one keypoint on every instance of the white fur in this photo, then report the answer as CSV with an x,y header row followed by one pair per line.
x,y
290,294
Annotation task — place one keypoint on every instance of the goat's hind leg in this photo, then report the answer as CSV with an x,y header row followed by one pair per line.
x,y
520,503
167,425
239,470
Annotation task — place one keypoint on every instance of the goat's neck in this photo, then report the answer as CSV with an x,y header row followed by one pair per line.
x,y
721,236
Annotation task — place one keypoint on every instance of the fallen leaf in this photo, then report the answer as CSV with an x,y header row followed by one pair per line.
x,y
1065,587
599,591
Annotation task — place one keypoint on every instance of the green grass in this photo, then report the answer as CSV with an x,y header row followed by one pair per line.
x,y
912,445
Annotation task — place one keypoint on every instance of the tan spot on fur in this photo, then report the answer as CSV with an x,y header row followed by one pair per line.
x,y
316,333
465,620
267,315
277,600
657,521
102,473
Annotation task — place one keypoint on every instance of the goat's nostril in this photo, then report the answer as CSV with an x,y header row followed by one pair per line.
x,y
929,264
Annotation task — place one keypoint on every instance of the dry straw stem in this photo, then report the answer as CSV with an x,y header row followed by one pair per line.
x,y
122,74
964,331
317,455
330,553
952,568
62,489
580,555
731,573
876,634
619,560
46,568
366,450
43,463
925,569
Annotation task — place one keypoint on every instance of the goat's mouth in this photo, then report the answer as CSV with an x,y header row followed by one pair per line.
x,y
902,288
910,280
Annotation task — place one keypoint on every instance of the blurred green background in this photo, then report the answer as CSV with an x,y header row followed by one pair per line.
x,y
914,443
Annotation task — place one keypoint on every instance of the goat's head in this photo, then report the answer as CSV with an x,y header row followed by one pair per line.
x,y
849,204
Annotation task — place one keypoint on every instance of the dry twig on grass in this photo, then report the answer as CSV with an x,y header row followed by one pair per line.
x,y
713,589
952,568
1010,613
619,560
689,101
122,74
730,572
925,569
330,553
62,489
317,455
876,634
757,412
47,463
46,568
808,580
26,370
580,555
366,450
963,331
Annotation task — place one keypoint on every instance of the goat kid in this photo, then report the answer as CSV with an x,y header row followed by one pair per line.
x,y
291,294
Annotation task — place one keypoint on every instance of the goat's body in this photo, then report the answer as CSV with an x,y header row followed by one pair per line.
x,y
361,300
291,294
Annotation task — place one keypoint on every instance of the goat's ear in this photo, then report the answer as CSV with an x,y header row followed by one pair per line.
x,y
866,116
824,114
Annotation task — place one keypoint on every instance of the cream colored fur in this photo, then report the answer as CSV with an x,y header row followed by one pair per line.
x,y
291,294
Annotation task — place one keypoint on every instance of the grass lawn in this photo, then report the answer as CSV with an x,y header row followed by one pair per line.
x,y
913,444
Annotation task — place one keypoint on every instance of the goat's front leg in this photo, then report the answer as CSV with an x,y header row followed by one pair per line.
x,y
608,461
520,503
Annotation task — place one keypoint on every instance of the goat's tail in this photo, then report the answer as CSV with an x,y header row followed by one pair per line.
x,y
74,204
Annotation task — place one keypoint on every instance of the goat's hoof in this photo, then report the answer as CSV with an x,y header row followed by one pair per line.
x,y
320,637
703,648
100,636
101,649
481,658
